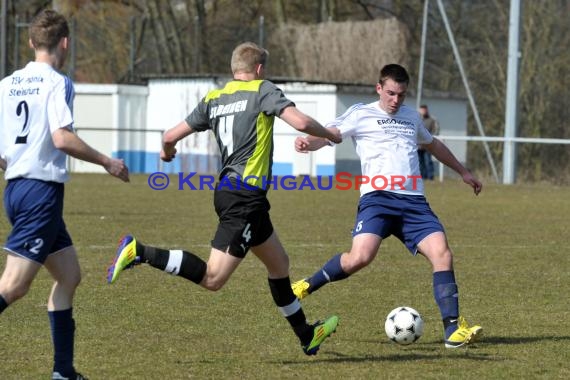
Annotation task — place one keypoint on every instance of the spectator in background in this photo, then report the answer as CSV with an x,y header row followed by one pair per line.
x,y
431,124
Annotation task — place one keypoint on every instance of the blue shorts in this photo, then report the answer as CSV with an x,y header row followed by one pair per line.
x,y
35,210
408,217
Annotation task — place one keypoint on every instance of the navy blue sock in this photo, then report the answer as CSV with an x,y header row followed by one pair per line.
x,y
63,332
446,295
3,304
330,272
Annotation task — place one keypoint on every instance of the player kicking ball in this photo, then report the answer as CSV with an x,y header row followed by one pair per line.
x,y
387,134
241,115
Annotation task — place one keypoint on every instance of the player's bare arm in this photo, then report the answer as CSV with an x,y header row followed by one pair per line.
x,y
305,144
67,141
171,137
445,156
306,124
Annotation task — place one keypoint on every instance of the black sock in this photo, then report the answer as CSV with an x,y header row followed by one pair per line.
x,y
3,304
176,262
291,308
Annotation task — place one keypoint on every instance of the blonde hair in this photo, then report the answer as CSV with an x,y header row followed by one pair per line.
x,y
247,56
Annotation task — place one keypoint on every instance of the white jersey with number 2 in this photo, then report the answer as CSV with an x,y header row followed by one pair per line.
x,y
387,146
34,102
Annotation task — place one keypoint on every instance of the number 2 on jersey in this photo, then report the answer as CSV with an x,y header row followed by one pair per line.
x,y
23,136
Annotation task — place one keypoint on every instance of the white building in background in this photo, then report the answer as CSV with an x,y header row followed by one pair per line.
x,y
102,113
127,121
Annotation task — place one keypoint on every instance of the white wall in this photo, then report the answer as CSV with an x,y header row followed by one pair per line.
x,y
317,101
165,102
169,102
100,106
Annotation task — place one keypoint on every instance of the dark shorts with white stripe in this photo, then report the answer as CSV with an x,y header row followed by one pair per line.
x,y
243,220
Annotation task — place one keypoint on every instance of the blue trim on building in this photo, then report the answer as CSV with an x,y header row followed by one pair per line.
x,y
282,168
325,170
149,162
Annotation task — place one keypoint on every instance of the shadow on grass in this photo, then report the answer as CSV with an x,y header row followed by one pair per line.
x,y
412,354
483,340
403,357
521,339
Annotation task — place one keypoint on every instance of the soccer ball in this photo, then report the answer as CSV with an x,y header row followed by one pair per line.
x,y
404,325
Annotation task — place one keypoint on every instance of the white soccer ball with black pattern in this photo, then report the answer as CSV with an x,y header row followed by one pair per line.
x,y
404,325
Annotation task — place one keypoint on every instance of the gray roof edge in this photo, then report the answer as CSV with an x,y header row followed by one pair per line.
x,y
354,87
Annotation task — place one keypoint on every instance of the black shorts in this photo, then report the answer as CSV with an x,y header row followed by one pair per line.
x,y
243,220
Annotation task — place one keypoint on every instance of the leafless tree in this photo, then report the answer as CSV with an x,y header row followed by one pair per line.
x,y
196,36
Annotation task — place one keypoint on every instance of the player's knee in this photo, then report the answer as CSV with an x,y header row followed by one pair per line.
x,y
213,283
75,280
441,259
357,261
71,281
445,255
69,284
362,262
279,268
14,292
283,264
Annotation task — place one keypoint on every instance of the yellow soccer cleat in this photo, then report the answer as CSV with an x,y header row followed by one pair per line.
x,y
321,331
463,335
126,257
301,288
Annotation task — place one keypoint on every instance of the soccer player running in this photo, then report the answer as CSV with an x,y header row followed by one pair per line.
x,y
241,115
387,134
36,134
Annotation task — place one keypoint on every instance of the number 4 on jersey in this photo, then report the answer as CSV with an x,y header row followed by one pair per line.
x,y
226,133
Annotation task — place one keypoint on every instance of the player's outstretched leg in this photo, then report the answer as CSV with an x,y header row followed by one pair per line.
x,y
321,331
126,257
463,335
330,272
175,262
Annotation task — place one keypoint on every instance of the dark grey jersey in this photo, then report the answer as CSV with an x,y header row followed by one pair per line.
x,y
241,115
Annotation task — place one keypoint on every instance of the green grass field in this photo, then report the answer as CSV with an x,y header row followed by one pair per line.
x,y
511,261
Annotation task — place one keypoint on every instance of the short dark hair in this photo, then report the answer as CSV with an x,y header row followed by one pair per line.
x,y
47,28
395,72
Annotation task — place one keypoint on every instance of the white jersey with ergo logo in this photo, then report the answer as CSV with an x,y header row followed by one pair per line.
x,y
387,146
